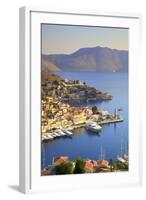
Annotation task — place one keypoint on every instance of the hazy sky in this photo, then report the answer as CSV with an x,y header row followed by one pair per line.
x,y
67,39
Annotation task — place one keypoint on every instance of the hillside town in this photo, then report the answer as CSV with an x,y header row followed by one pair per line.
x,y
57,114
71,91
61,113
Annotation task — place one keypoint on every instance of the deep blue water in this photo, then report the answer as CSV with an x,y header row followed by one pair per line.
x,y
112,139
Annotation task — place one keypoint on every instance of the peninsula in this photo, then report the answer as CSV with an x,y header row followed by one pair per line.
x,y
61,105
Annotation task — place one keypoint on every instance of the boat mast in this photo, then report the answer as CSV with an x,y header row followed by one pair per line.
x,y
115,112
126,149
101,156
121,148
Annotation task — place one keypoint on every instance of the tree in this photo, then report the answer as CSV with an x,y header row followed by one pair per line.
x,y
111,165
64,168
122,166
94,110
79,166
56,82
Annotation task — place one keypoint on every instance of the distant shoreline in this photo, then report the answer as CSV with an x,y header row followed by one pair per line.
x,y
88,59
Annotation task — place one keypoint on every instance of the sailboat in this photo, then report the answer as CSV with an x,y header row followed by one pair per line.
x,y
102,154
123,158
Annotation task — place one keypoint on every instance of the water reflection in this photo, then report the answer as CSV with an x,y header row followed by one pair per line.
x,y
78,131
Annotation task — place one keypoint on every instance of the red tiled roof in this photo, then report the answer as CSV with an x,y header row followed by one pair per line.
x,y
88,166
102,163
94,162
59,160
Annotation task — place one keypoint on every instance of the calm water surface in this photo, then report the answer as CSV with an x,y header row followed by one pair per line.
x,y
113,138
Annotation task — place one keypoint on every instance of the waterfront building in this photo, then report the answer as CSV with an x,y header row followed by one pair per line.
x,y
102,163
59,160
88,166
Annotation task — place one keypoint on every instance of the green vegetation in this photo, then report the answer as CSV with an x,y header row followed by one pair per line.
x,y
111,165
79,166
64,168
120,166
94,110
56,82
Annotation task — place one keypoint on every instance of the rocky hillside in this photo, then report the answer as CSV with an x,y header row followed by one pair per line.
x,y
88,59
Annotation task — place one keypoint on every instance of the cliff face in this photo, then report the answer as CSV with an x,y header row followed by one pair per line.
x,y
88,59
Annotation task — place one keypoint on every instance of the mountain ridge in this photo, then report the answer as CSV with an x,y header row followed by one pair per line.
x,y
100,59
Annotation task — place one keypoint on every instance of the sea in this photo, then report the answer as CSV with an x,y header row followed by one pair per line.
x,y
112,140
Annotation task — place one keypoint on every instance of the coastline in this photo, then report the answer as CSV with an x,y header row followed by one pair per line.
x,y
71,128
66,110
58,111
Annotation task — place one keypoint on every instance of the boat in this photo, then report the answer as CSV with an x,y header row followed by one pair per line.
x,y
54,135
49,137
69,133
57,134
44,137
125,156
120,109
92,126
121,159
60,132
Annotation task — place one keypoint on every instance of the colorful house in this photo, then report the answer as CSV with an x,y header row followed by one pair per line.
x,y
59,160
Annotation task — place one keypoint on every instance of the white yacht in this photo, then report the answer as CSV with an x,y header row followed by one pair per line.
x,y
120,159
126,157
123,159
92,126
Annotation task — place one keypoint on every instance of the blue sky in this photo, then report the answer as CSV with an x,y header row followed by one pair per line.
x,y
67,39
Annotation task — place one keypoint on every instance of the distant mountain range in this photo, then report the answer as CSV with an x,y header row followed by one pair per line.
x,y
98,59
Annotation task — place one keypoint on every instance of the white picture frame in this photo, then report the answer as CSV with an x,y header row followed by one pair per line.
x,y
29,160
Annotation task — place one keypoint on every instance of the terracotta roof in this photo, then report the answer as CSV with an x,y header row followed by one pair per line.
x,y
94,162
59,160
88,166
102,163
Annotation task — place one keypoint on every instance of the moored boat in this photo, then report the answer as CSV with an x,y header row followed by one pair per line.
x,y
60,132
123,159
92,126
69,133
126,157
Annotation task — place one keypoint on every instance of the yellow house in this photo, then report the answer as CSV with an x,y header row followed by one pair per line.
x,y
79,119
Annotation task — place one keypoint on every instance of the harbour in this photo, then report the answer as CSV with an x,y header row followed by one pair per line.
x,y
84,143
67,132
